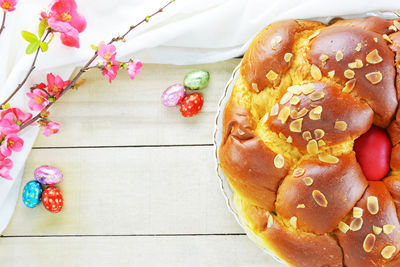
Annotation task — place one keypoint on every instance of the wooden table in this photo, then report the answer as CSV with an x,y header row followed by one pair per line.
x,y
139,186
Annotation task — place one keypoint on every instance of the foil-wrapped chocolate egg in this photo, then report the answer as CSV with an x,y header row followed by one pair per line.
x,y
196,79
32,194
48,175
173,95
52,199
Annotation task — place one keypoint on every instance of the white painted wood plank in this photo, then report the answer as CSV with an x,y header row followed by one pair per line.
x,y
130,112
176,251
129,191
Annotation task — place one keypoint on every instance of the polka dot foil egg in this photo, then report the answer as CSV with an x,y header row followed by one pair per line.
x,y
173,95
48,175
52,199
32,194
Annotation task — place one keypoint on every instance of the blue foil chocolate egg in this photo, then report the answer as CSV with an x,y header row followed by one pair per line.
x,y
32,194
48,175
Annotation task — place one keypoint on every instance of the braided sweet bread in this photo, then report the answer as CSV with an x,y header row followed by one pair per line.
x,y
306,93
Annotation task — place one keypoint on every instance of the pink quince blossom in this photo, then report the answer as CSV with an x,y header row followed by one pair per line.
x,y
11,119
107,52
55,85
110,71
38,99
12,142
5,167
8,5
134,68
64,18
51,128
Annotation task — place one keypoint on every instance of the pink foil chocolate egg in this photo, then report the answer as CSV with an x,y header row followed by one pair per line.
x,y
48,175
173,95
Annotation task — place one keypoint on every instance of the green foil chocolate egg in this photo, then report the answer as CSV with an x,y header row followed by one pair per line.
x,y
196,79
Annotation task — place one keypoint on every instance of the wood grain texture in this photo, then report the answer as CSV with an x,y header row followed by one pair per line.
x,y
130,112
129,191
174,251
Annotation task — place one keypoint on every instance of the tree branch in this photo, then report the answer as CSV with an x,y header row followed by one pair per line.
x,y
26,76
87,65
4,22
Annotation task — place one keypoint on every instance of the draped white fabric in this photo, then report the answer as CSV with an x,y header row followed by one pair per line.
x,y
188,32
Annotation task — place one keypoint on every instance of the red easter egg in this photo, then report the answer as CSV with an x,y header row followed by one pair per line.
x,y
373,153
52,199
191,104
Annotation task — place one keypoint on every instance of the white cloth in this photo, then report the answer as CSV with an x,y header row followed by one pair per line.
x,y
188,32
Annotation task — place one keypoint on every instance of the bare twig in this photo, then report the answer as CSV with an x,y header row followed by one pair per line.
x,y
3,24
26,76
87,65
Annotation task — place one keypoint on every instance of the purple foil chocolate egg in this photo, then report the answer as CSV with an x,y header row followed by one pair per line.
x,y
48,175
173,95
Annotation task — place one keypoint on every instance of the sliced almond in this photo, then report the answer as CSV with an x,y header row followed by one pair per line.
x,y
285,98
298,172
307,135
358,47
307,88
270,220
294,100
294,114
295,89
315,113
373,205
369,243
255,87
388,228
349,86
393,28
282,136
293,221
388,251
396,24
357,212
343,227
373,57
319,198
321,143
340,125
331,74
272,75
279,161
284,114
377,230
356,224
301,206
375,39
374,77
319,133
323,58
386,37
308,181
265,118
339,56
328,158
287,57
316,72
274,110
289,140
275,41
349,74
295,126
312,147
317,96
357,64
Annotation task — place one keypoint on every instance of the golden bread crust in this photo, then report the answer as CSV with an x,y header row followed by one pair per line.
x,y
306,91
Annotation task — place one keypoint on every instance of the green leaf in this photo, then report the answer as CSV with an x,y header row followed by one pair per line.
x,y
32,47
28,36
42,27
44,46
95,48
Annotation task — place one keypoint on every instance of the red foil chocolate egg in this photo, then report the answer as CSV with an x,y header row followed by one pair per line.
x,y
52,199
373,153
